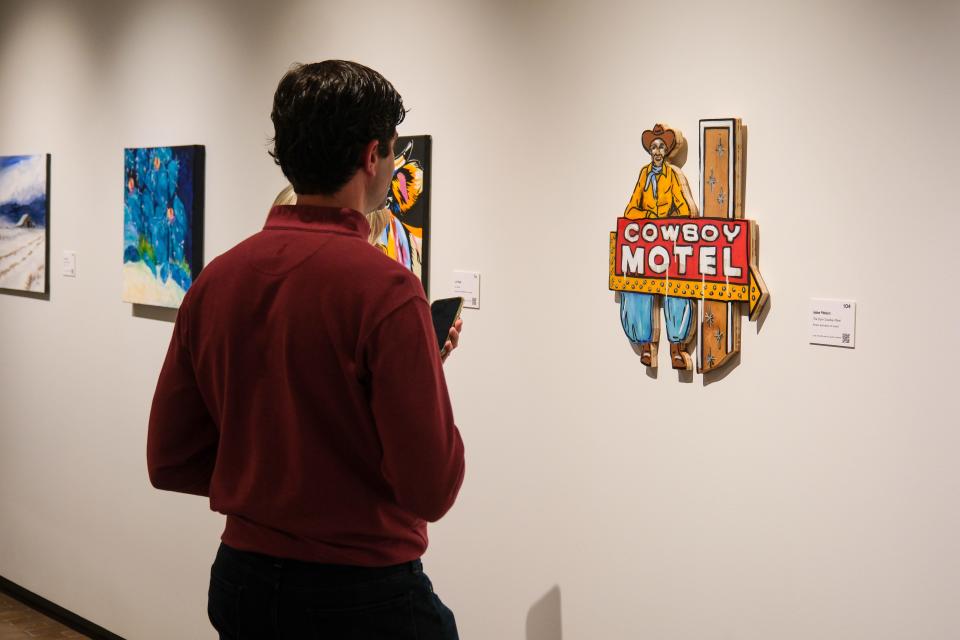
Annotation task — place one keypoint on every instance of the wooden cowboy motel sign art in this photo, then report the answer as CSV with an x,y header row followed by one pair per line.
x,y
697,264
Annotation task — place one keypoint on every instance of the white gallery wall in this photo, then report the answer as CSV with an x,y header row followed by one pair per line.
x,y
809,493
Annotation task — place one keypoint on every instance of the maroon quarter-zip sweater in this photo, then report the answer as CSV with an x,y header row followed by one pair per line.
x,y
303,393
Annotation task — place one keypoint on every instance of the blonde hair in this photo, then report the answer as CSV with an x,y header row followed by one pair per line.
x,y
377,219
378,222
286,196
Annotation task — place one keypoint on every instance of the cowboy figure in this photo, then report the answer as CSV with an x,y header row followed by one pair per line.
x,y
662,191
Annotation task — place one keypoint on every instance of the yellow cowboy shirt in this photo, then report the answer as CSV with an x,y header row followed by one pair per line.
x,y
670,200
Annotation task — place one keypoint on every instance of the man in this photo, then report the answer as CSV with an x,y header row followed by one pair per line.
x,y
661,192
303,392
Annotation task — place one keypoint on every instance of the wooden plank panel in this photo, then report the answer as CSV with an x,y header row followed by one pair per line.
x,y
716,172
721,189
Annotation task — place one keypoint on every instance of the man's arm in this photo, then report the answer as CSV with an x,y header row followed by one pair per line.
x,y
182,437
422,449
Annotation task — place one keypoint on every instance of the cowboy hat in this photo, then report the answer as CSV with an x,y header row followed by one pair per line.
x,y
667,135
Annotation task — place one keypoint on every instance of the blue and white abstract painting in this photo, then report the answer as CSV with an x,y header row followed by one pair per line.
x,y
24,208
162,223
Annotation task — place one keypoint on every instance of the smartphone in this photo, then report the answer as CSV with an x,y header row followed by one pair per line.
x,y
445,312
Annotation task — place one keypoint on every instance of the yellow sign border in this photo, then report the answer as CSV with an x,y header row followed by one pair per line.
x,y
685,288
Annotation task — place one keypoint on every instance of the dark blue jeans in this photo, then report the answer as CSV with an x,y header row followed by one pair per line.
x,y
258,597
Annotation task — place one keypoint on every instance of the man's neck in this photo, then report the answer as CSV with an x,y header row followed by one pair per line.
x,y
351,196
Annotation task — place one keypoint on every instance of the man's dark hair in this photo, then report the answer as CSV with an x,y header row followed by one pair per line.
x,y
324,114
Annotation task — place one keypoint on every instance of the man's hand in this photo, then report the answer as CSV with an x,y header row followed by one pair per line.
x,y
452,340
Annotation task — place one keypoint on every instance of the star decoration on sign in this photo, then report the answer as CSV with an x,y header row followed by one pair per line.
x,y
719,336
708,318
712,181
720,149
720,197
710,360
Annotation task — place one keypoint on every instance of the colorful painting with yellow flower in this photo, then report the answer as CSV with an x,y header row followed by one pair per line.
x,y
402,226
162,223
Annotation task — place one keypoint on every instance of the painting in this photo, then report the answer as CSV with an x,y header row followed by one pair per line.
x,y
401,228
24,223
665,253
162,223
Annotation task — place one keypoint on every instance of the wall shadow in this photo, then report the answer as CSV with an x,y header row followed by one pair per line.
x,y
764,313
27,294
651,371
544,620
744,137
147,312
766,308
719,374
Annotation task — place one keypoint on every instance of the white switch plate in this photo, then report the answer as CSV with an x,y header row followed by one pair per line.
x,y
70,264
833,322
467,284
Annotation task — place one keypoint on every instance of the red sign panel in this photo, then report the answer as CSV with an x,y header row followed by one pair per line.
x,y
700,249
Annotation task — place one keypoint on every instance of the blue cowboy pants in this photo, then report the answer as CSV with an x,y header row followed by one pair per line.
x,y
679,315
636,316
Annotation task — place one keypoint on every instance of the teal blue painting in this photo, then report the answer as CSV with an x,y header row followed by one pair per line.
x,y
162,223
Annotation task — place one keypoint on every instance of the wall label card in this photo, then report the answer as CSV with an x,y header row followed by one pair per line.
x,y
466,284
833,322
70,264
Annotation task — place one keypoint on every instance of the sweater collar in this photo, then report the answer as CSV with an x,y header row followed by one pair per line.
x,y
311,218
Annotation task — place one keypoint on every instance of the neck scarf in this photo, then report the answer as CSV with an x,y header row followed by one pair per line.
x,y
655,172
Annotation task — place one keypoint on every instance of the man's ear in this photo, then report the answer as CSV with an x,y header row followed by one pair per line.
x,y
370,157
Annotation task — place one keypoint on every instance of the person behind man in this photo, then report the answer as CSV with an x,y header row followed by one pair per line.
x,y
303,392
376,219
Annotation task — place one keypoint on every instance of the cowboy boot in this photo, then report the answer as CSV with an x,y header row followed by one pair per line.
x,y
679,358
648,355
